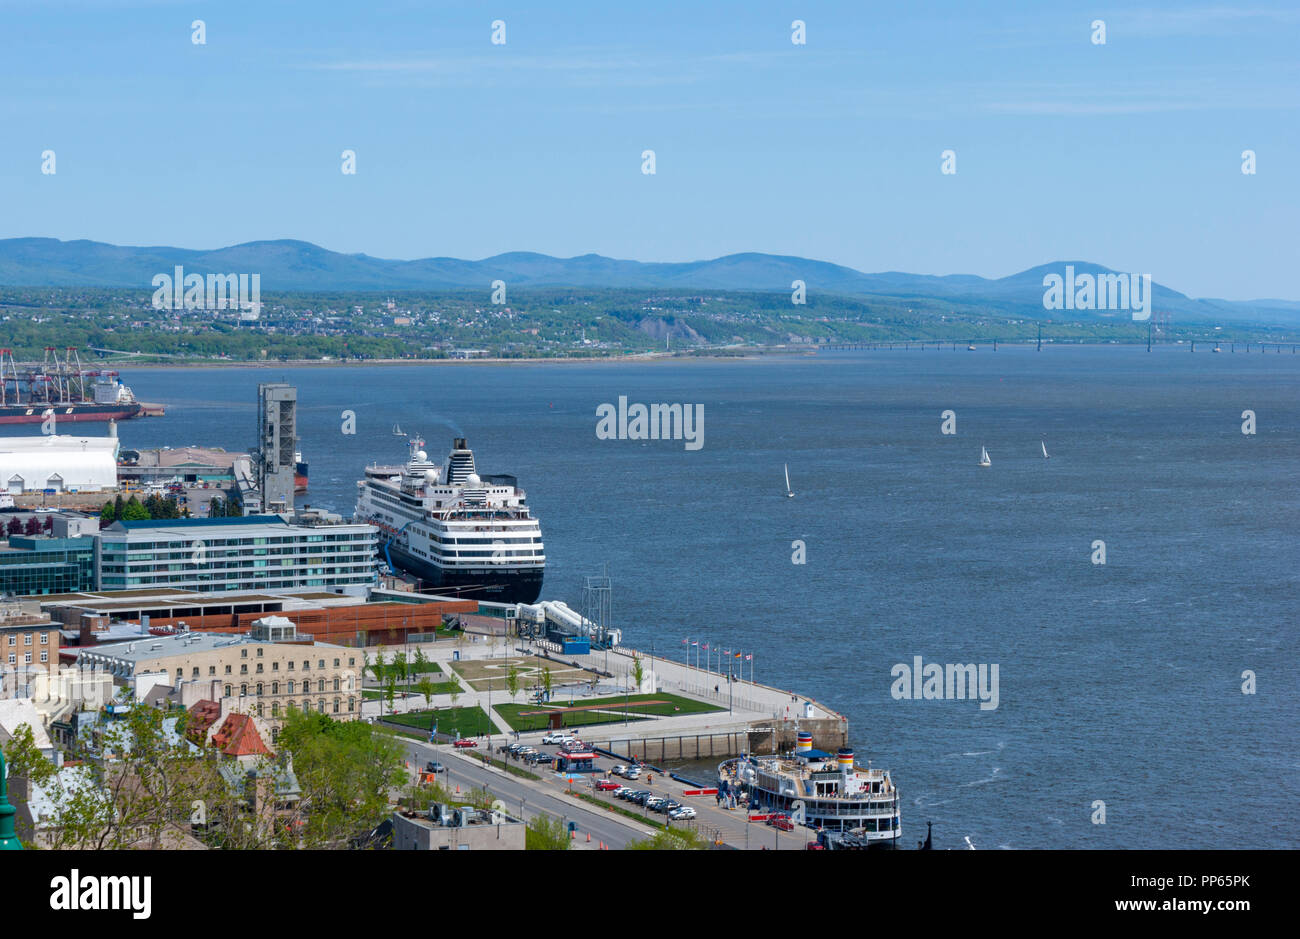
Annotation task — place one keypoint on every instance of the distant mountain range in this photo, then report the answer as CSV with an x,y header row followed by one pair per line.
x,y
288,265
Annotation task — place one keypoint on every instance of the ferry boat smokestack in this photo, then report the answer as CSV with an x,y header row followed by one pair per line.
x,y
803,743
845,760
459,444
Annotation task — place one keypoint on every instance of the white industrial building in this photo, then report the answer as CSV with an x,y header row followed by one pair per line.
x,y
59,462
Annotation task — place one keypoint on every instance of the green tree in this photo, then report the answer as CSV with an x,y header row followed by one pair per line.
x,y
142,786
346,771
24,758
134,511
390,690
546,833
107,515
669,839
512,680
547,681
638,672
377,671
426,686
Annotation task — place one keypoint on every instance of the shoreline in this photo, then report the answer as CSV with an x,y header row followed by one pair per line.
x,y
643,358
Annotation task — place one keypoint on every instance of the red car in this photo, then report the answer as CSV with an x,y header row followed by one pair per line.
x,y
782,822
465,742
607,785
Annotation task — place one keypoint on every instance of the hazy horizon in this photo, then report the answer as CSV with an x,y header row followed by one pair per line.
x,y
1127,154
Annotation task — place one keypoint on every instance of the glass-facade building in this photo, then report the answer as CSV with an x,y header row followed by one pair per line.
x,y
255,552
33,565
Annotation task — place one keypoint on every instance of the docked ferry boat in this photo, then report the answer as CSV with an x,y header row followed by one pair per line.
x,y
832,792
460,532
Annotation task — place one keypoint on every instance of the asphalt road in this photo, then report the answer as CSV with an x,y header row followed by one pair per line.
x,y
533,797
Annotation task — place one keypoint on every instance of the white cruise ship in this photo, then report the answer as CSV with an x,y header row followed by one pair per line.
x,y
825,792
463,534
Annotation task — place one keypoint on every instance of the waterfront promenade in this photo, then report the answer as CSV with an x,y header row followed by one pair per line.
x,y
744,704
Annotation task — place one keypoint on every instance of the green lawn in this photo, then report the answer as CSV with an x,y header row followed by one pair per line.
x,y
510,714
439,687
676,704
636,705
413,669
462,721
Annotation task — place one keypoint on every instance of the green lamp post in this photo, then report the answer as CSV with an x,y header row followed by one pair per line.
x,y
8,837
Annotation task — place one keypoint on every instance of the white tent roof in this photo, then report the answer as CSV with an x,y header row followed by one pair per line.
x,y
87,463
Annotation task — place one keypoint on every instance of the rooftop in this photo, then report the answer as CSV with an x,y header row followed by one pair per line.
x,y
168,597
151,647
187,526
238,736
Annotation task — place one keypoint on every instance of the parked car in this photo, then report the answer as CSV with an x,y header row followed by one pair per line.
x,y
558,737
621,792
618,769
632,772
464,742
607,785
572,744
682,812
433,766
640,796
782,822
654,802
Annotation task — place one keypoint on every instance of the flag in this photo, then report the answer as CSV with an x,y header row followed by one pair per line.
x,y
750,657
737,655
685,641
705,646
695,643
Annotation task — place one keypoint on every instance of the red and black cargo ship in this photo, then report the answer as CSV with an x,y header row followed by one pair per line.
x,y
32,392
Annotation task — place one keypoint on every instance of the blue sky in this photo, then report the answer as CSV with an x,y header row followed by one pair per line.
x,y
1127,154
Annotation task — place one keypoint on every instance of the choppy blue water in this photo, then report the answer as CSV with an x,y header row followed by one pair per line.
x,y
1120,683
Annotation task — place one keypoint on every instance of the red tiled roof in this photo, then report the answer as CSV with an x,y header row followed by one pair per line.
x,y
202,715
238,736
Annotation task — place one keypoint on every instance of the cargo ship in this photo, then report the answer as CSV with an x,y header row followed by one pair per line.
x,y
109,400
59,387
461,533
823,791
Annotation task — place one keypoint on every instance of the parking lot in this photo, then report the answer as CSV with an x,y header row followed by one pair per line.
x,y
653,795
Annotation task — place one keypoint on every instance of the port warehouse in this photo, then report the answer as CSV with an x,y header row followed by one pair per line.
x,y
58,463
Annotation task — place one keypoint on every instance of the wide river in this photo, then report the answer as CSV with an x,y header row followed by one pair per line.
x,y
1119,683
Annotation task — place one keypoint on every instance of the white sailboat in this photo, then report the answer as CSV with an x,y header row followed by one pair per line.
x,y
789,493
1044,445
984,457
397,431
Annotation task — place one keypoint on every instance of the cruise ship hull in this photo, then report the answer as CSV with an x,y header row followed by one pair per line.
x,y
493,586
